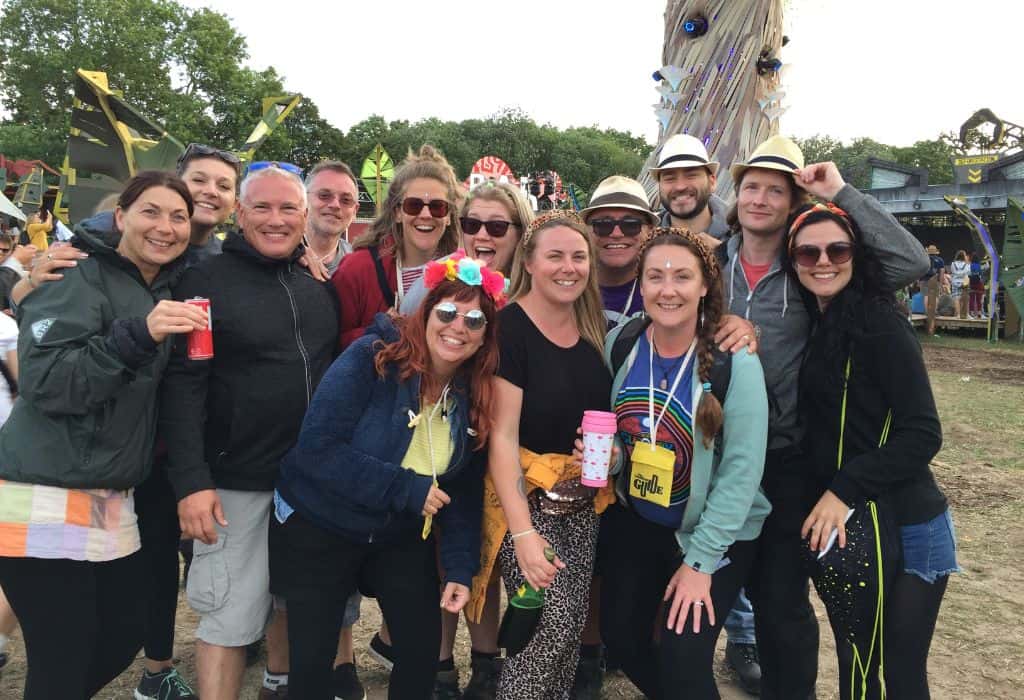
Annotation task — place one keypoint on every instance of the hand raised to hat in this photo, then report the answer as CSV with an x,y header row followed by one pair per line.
x,y
822,180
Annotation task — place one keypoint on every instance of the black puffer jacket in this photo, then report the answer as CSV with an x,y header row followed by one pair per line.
x,y
227,422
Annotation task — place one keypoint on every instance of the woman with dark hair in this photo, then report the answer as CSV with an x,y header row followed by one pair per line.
x,y
872,429
392,440
417,223
80,438
689,507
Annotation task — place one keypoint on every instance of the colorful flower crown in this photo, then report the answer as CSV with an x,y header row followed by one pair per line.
x,y
468,271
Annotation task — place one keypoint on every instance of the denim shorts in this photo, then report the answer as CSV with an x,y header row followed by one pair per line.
x,y
929,548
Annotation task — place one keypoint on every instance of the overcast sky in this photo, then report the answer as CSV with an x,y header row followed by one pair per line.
x,y
895,70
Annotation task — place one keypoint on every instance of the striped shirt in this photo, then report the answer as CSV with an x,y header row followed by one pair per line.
x,y
48,522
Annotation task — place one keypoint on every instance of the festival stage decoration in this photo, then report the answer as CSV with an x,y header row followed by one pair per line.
x,y
377,173
110,141
490,168
1013,254
974,222
31,188
721,78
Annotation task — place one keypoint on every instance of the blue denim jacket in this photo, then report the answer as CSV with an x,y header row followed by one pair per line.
x,y
345,472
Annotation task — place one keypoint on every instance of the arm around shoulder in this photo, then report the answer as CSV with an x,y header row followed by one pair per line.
x,y
902,256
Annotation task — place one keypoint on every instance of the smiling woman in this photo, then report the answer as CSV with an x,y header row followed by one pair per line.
x,y
392,442
417,223
80,439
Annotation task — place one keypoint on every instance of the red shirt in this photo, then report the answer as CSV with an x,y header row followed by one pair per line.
x,y
754,272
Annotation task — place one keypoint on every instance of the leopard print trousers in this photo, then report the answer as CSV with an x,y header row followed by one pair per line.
x,y
546,668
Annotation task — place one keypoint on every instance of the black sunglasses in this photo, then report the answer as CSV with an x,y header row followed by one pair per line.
x,y
838,253
497,229
414,205
630,226
474,319
201,150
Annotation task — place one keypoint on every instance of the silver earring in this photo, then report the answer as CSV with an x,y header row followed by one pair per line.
x,y
702,313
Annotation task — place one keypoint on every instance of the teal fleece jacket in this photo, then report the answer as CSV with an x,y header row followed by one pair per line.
x,y
726,503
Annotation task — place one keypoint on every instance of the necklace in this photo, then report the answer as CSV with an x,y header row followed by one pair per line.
x,y
666,371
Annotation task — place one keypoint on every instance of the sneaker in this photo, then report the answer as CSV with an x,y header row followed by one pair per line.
x,y
280,694
164,686
589,679
743,659
483,684
446,685
382,652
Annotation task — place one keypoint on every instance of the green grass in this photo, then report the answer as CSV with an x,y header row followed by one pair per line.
x,y
982,421
965,342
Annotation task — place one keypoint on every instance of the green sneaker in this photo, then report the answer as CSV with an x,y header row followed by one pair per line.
x,y
164,686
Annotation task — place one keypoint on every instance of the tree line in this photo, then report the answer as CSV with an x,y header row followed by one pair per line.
x,y
185,68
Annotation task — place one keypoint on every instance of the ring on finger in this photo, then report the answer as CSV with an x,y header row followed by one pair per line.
x,y
699,603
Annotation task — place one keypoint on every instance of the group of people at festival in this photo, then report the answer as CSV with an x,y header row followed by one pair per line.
x,y
399,417
957,290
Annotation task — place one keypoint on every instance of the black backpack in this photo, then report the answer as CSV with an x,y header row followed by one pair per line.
x,y
721,368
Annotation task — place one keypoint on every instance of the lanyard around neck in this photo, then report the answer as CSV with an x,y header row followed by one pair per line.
x,y
672,389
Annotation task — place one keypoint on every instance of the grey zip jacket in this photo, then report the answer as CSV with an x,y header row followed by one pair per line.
x,y
776,307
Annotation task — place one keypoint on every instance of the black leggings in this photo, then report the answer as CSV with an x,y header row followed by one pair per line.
x,y
82,621
911,609
316,572
637,560
157,510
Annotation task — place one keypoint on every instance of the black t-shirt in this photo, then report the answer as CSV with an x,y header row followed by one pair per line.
x,y
558,384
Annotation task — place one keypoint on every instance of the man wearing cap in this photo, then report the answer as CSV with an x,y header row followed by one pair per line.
x,y
932,284
771,184
620,218
686,185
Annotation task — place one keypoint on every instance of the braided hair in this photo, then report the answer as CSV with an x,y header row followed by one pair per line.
x,y
708,416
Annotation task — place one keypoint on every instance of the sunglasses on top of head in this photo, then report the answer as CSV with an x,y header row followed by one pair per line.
x,y
412,206
201,150
838,253
264,164
474,319
630,226
496,229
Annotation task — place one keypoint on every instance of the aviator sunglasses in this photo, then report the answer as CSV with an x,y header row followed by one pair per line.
x,y
473,319
630,226
412,206
838,253
496,229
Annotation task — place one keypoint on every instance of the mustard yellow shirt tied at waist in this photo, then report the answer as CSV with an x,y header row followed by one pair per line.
x,y
542,471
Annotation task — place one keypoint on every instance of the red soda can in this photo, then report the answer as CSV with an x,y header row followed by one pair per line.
x,y
200,343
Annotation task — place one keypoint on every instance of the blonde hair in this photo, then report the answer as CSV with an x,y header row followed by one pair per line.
x,y
386,230
587,309
509,197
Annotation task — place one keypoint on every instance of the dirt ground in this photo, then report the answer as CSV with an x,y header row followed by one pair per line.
x,y
979,642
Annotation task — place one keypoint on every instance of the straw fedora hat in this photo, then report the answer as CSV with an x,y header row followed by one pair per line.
x,y
622,193
776,153
684,151
932,250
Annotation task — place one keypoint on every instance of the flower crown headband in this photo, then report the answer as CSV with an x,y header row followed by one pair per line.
x,y
705,253
468,271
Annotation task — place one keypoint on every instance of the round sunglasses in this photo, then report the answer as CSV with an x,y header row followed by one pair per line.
x,y
496,229
473,319
630,226
838,252
412,206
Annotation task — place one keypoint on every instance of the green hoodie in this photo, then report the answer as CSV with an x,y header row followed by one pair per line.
x,y
726,503
89,371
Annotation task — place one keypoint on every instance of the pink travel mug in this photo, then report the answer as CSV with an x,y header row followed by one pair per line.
x,y
598,433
